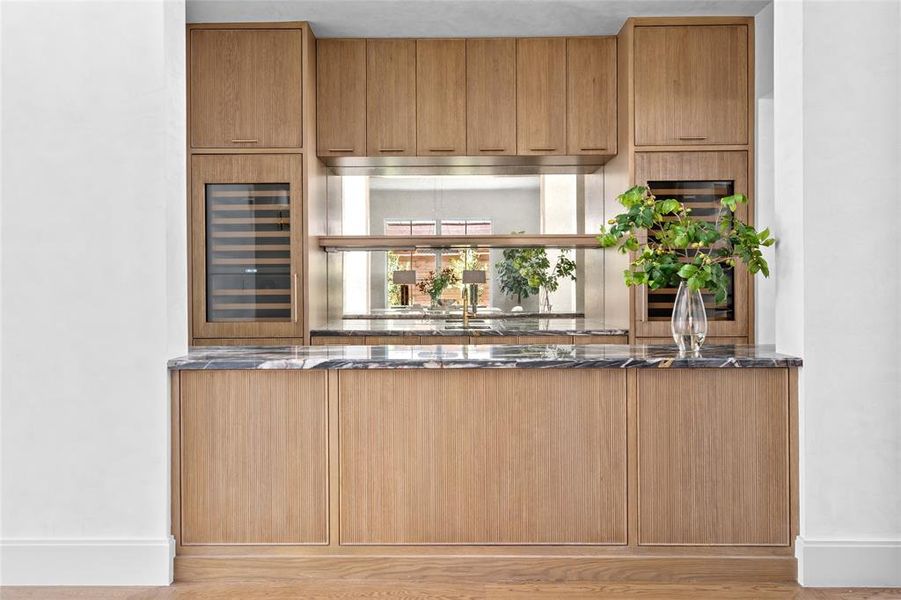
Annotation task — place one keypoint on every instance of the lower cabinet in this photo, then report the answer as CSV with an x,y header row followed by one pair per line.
x,y
253,465
475,457
713,457
482,457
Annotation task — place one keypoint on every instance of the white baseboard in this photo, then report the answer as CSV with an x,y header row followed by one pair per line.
x,y
87,562
848,563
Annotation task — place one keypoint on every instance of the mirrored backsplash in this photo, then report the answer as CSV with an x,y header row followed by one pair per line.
x,y
517,280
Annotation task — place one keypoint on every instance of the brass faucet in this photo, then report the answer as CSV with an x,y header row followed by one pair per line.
x,y
465,306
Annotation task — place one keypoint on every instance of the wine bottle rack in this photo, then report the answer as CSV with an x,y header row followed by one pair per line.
x,y
248,252
703,198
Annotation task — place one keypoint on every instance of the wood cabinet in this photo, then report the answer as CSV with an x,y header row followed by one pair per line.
x,y
341,90
699,179
490,96
245,87
391,97
692,84
253,463
246,232
541,96
440,97
713,457
591,95
482,457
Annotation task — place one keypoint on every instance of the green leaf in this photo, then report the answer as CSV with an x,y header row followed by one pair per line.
x,y
687,271
634,196
669,206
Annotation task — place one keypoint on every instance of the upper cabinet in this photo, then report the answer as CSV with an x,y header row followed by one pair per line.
x,y
476,98
245,88
490,96
591,95
390,97
691,85
440,97
341,90
541,96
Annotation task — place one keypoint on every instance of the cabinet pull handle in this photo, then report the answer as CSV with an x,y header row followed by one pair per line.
x,y
245,141
441,149
340,150
591,149
542,149
492,149
294,290
391,149
692,137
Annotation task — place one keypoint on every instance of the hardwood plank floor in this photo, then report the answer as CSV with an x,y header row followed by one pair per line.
x,y
362,590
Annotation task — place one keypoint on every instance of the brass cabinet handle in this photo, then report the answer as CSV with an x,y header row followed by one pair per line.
x,y
591,149
245,141
542,149
391,149
492,149
340,150
692,137
441,149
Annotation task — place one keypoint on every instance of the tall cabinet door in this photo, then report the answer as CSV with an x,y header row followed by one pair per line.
x,y
245,88
699,180
691,85
341,90
391,97
541,95
245,245
440,97
490,96
591,95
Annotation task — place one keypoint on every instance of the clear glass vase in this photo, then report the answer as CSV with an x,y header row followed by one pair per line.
x,y
689,322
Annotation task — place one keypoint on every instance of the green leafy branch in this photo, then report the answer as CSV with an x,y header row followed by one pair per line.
x,y
524,271
679,247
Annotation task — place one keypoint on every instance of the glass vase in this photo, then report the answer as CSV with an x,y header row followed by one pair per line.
x,y
689,322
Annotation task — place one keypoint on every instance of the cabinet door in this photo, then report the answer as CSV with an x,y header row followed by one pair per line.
x,y
488,456
245,88
591,95
246,222
254,457
700,180
691,85
713,457
541,96
440,97
490,97
391,97
341,90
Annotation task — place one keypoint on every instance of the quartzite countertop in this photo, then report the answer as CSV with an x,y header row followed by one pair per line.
x,y
533,356
491,327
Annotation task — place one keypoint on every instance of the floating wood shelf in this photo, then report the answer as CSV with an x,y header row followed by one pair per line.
x,y
339,243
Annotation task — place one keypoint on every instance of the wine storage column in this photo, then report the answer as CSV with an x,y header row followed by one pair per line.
x,y
246,245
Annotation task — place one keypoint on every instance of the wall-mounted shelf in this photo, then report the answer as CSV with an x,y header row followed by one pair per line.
x,y
343,243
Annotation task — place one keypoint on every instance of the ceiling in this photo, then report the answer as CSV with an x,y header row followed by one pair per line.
x,y
460,18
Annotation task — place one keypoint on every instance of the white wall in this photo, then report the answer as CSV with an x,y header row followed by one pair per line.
x,y
837,132
764,202
93,287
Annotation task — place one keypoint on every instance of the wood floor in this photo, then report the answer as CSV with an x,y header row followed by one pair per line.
x,y
346,590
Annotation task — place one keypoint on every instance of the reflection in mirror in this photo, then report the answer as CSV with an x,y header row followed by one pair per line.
x,y
518,281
